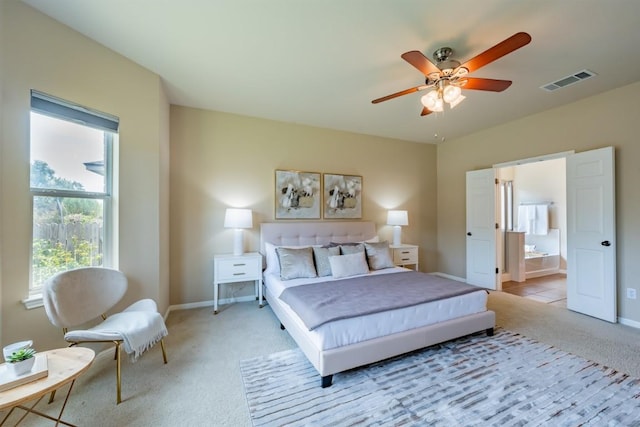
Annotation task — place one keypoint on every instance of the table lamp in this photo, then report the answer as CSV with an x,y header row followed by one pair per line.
x,y
238,219
397,219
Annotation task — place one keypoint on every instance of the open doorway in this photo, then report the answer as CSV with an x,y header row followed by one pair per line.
x,y
533,222
590,229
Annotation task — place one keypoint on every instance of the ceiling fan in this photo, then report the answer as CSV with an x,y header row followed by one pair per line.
x,y
447,76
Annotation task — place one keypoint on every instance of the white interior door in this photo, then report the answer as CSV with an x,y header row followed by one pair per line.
x,y
482,267
591,247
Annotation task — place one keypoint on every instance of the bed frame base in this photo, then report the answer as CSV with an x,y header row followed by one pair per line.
x,y
327,380
329,362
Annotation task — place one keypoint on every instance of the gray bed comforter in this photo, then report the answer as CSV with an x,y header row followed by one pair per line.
x,y
319,303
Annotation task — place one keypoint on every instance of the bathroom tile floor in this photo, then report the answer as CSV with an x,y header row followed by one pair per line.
x,y
550,289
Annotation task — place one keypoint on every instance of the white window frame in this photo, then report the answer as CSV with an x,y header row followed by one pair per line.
x,y
48,105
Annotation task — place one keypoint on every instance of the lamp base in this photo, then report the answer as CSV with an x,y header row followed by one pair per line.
x,y
397,232
238,247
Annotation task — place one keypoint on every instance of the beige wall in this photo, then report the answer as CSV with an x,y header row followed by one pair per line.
x,y
223,160
39,53
609,119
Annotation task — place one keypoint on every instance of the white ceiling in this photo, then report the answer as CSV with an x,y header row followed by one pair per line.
x,y
320,63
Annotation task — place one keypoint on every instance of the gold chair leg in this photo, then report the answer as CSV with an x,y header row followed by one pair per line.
x,y
118,373
164,353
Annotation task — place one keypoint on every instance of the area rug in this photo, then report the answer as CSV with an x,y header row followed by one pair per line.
x,y
504,380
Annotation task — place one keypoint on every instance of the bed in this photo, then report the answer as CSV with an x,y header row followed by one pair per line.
x,y
346,343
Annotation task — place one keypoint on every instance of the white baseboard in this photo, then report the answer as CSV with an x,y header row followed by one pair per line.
x,y
629,322
208,303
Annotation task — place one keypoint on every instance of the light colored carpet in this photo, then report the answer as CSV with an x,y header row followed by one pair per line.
x,y
472,381
201,385
609,344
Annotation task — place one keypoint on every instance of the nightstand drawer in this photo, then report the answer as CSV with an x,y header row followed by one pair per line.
x,y
403,256
238,268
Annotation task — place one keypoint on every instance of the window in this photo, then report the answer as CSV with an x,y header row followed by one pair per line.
x,y
506,205
71,186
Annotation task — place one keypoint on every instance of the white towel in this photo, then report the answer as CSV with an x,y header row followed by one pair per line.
x,y
533,219
526,216
541,223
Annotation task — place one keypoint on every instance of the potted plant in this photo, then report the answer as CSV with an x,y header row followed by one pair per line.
x,y
21,361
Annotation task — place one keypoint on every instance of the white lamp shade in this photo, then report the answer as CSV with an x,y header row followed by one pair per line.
x,y
430,99
238,218
397,218
451,93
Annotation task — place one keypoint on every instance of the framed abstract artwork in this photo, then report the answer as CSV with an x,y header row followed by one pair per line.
x,y
342,196
297,195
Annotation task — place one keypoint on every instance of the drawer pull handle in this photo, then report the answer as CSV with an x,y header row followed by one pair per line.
x,y
239,265
406,252
239,274
405,259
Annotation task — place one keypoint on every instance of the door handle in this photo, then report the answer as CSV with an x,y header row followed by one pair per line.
x,y
469,233
606,243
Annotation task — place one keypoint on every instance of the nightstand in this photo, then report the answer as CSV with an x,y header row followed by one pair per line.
x,y
229,268
404,255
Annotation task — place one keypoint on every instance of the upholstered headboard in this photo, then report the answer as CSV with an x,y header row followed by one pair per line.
x,y
315,233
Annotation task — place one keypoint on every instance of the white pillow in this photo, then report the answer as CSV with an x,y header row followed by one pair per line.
x,y
348,265
273,265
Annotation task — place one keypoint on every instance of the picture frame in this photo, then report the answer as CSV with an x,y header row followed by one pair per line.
x,y
342,196
297,194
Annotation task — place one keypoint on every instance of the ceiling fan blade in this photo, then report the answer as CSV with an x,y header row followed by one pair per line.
x,y
492,85
514,42
425,111
421,62
397,94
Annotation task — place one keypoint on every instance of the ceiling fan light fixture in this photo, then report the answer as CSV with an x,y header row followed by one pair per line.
x,y
448,76
430,100
451,93
439,107
457,101
435,99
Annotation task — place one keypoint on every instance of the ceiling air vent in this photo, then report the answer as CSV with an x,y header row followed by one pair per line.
x,y
568,80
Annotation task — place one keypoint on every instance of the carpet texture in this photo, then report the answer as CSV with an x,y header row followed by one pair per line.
x,y
504,380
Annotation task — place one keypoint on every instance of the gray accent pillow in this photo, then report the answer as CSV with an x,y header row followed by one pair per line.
x,y
348,265
296,263
346,249
321,255
379,255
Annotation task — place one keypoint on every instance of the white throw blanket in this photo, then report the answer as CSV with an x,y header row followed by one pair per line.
x,y
139,330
